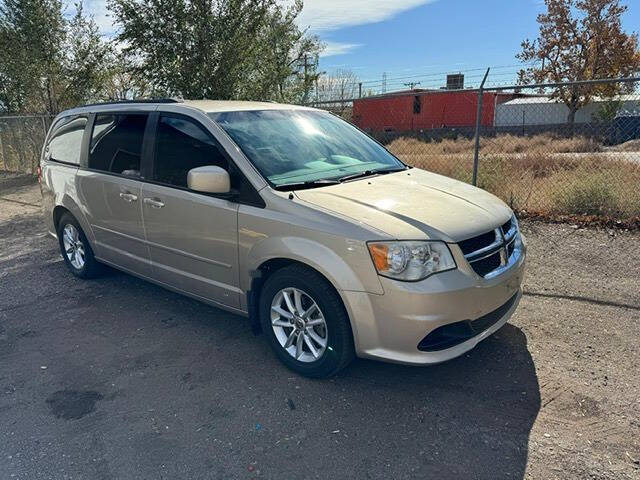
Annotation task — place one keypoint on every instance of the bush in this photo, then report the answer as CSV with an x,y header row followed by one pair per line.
x,y
588,195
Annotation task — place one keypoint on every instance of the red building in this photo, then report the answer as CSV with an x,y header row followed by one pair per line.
x,y
416,110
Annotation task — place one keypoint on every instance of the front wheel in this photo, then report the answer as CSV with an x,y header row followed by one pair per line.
x,y
305,322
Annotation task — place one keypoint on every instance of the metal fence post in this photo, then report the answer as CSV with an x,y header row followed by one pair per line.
x,y
36,159
2,152
476,149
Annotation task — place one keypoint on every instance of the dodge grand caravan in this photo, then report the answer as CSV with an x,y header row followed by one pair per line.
x,y
288,215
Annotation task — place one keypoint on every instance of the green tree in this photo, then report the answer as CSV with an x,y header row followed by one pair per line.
x,y
608,111
226,49
286,61
121,82
48,63
32,35
85,61
581,40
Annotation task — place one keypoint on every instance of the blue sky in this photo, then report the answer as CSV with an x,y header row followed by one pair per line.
x,y
417,37
416,40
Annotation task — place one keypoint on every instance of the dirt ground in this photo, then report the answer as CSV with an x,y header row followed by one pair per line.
x,y
117,378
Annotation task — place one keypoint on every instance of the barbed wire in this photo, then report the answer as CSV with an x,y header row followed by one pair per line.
x,y
500,75
449,72
499,80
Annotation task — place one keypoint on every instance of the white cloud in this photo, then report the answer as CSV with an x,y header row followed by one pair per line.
x,y
337,48
317,15
323,15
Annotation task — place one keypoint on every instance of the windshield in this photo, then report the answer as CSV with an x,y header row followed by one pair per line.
x,y
304,146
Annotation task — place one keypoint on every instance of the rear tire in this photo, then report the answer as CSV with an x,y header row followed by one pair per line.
x,y
305,322
76,250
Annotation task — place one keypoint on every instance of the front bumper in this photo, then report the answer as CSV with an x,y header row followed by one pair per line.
x,y
391,326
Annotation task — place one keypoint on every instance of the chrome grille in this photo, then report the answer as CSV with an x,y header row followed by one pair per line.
x,y
476,243
490,252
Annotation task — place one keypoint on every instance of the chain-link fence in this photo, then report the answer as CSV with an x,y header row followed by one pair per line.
x,y
21,139
524,146
518,139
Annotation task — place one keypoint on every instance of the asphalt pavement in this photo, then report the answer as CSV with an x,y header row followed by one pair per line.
x,y
115,378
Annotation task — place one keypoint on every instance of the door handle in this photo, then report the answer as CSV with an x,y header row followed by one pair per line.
x,y
128,197
153,202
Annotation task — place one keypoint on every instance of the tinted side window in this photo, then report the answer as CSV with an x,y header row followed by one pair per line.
x,y
182,144
66,141
116,143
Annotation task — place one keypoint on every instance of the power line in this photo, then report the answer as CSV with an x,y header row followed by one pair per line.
x,y
421,75
436,81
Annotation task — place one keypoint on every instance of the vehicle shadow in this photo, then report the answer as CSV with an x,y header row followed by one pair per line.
x,y
467,418
226,402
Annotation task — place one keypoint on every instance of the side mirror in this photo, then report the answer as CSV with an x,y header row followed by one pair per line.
x,y
209,179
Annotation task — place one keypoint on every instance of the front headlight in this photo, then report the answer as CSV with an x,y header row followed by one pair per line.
x,y
411,260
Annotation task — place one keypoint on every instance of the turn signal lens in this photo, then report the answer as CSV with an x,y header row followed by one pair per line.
x,y
411,260
379,253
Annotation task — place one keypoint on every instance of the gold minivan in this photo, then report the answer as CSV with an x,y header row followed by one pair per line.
x,y
288,215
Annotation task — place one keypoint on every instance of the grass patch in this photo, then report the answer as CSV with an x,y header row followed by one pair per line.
x,y
556,181
630,146
591,194
500,144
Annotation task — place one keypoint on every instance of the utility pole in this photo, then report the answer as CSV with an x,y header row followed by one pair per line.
x,y
411,85
384,82
306,64
306,78
360,90
309,78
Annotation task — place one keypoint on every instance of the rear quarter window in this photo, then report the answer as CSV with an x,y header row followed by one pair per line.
x,y
65,143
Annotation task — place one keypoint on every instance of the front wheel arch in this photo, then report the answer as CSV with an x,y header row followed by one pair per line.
x,y
260,275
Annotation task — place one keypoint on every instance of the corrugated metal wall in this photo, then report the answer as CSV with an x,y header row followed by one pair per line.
x,y
402,113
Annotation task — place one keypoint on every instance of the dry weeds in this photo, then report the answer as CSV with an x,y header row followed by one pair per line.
x,y
537,174
630,146
507,143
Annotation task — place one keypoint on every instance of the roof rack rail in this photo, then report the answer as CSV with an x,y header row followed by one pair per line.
x,y
143,100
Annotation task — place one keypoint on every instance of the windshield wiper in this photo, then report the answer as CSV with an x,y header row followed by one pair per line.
x,y
308,184
368,173
323,182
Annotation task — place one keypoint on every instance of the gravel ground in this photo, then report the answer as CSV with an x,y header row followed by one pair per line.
x,y
117,378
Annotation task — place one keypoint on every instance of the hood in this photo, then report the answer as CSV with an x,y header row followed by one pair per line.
x,y
413,204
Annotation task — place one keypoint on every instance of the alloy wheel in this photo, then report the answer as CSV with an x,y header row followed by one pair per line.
x,y
73,246
299,324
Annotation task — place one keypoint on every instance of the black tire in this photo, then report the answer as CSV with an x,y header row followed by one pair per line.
x,y
91,268
339,350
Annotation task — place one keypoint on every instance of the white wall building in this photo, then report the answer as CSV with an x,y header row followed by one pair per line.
x,y
546,111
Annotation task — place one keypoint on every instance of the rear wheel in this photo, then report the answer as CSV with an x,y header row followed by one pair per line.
x,y
305,322
75,248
